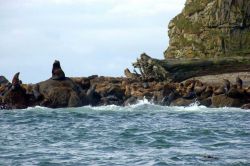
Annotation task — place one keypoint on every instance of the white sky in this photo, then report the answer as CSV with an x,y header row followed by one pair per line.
x,y
88,36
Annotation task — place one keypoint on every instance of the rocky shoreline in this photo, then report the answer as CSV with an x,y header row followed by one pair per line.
x,y
209,49
60,91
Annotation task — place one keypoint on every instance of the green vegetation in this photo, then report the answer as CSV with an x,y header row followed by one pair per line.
x,y
185,24
196,6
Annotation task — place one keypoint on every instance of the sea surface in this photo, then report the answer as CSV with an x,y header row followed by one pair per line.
x,y
142,134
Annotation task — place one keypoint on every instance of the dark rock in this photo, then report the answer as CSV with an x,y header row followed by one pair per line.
x,y
92,96
246,106
110,100
116,91
206,102
60,93
92,77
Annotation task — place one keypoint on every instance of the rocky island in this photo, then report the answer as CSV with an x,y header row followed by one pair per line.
x,y
207,61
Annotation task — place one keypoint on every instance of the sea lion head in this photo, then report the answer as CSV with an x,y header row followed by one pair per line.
x,y
56,65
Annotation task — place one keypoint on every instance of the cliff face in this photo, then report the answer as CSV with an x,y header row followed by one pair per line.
x,y
210,28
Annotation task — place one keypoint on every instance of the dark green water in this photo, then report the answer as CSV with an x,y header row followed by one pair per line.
x,y
137,135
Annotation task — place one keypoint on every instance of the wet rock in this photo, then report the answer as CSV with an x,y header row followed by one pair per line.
x,y
111,100
225,101
92,96
182,102
206,102
60,93
246,106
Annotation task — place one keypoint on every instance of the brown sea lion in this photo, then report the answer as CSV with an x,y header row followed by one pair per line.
x,y
190,93
15,81
207,93
199,88
219,91
234,92
57,72
128,74
239,82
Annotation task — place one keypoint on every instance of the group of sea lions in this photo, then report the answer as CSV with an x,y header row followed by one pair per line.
x,y
6,88
195,89
188,91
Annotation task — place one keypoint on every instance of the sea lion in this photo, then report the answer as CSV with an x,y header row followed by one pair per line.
x,y
128,74
234,92
224,88
180,89
199,88
166,101
219,91
207,93
239,82
226,84
190,93
57,72
15,81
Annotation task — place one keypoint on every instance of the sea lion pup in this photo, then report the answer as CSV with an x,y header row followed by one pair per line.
x,y
239,82
16,82
57,72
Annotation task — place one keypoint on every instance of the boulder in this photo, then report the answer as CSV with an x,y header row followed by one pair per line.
x,y
182,102
246,106
61,93
225,101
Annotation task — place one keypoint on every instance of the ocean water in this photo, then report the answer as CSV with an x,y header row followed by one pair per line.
x,y
142,134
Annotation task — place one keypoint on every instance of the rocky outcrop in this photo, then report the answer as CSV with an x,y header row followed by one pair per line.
x,y
177,70
210,28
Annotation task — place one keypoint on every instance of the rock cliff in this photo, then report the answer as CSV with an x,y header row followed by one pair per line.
x,y
210,28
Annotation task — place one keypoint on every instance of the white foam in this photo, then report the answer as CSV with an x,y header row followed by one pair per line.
x,y
36,107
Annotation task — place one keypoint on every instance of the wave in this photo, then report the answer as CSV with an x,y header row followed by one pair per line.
x,y
145,105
